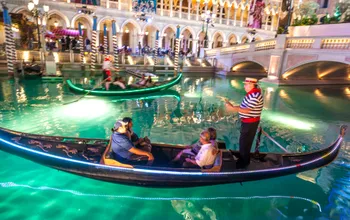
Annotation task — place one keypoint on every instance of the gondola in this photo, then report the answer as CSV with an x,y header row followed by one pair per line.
x,y
32,71
89,158
128,91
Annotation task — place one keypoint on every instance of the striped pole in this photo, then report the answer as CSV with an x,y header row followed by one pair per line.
x,y
105,40
9,41
177,50
155,55
115,45
81,45
93,44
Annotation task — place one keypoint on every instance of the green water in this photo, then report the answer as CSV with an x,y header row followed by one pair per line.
x,y
300,118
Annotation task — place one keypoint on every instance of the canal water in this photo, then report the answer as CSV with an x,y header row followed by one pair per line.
x,y
300,118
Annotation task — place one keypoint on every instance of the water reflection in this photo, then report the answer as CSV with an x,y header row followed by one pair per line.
x,y
298,118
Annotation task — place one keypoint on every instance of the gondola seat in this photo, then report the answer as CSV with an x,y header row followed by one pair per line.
x,y
107,159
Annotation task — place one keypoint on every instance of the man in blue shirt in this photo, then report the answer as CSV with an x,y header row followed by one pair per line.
x,y
124,150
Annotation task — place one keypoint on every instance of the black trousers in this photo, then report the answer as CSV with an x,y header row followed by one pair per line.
x,y
248,131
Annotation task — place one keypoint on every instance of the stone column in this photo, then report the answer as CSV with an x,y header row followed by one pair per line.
x,y
228,15
194,47
120,37
171,8
242,13
210,44
197,10
221,8
160,44
189,10
119,5
266,21
180,12
161,7
107,3
273,22
235,17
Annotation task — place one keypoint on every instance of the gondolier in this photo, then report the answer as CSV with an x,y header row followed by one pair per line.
x,y
249,113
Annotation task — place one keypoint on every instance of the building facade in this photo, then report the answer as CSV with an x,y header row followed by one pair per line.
x,y
229,25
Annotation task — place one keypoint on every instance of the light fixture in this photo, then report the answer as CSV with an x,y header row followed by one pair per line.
x,y
127,31
36,2
146,32
82,26
46,8
55,24
31,5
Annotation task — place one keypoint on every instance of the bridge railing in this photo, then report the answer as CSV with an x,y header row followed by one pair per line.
x,y
320,42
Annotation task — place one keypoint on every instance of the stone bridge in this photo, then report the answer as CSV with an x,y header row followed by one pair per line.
x,y
288,60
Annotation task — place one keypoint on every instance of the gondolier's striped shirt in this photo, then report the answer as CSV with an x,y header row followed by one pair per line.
x,y
254,101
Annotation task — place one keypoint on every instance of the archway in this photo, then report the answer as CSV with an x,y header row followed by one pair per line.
x,y
26,32
130,37
319,70
232,40
218,40
186,41
169,38
149,37
249,67
108,23
245,40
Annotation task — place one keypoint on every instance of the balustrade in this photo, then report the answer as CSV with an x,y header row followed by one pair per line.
x,y
336,43
265,45
300,43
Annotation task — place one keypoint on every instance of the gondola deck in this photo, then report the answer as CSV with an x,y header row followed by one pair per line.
x,y
83,156
125,92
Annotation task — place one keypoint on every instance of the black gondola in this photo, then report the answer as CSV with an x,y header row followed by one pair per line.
x,y
88,157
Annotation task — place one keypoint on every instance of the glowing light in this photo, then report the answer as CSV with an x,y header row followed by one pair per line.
x,y
235,84
318,93
85,108
130,60
192,95
289,121
150,60
270,89
130,80
168,60
26,56
55,24
55,55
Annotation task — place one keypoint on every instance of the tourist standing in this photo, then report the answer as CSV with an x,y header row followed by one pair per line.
x,y
249,113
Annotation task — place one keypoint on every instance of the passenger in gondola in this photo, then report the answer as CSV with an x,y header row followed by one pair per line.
x,y
212,132
141,143
203,158
118,81
124,150
141,83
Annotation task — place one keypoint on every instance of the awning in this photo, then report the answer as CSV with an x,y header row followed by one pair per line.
x,y
65,32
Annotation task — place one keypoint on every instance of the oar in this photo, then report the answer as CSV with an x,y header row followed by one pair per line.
x,y
95,87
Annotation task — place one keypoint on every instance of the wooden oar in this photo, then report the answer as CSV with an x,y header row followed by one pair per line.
x,y
95,87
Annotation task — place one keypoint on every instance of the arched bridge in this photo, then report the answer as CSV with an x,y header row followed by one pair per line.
x,y
288,60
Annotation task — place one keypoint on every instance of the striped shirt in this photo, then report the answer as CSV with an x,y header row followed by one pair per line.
x,y
253,101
